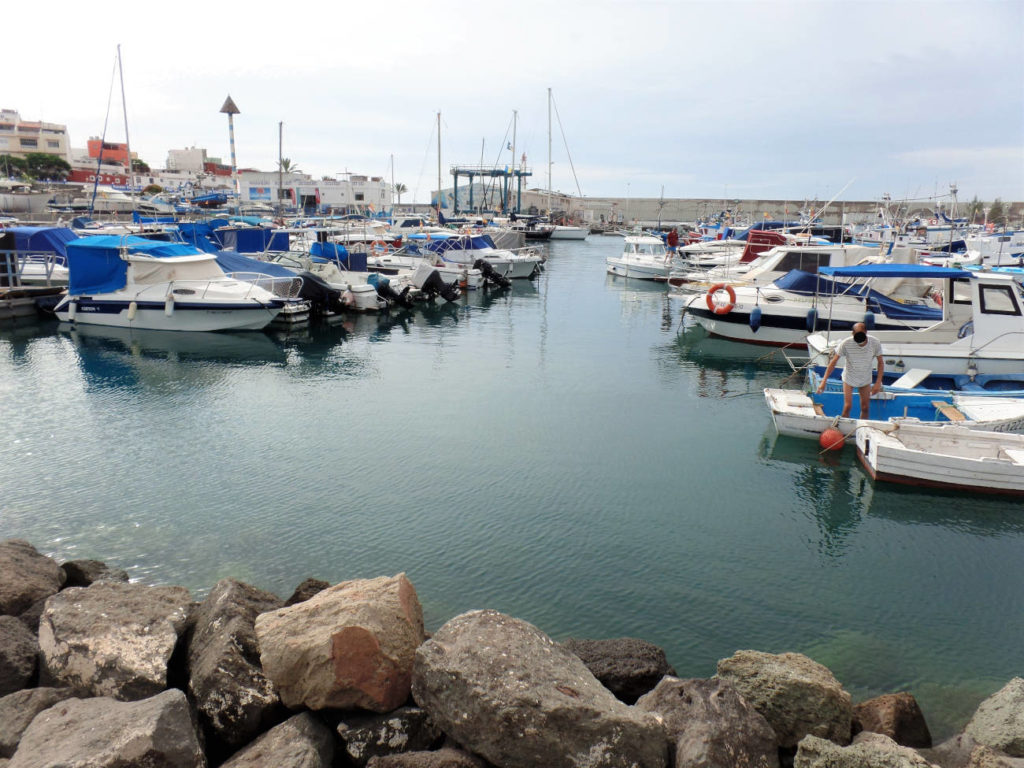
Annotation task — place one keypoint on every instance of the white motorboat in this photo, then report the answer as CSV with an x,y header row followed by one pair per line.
x,y
131,282
643,257
981,331
799,414
948,456
567,232
465,250
783,312
410,257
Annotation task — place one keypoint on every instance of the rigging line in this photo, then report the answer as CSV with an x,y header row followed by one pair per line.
x,y
103,140
426,156
561,128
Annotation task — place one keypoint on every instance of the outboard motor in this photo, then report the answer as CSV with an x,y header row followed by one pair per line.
x,y
490,274
435,285
390,295
322,298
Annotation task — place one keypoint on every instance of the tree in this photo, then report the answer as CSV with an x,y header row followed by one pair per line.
x,y
139,166
975,210
400,189
45,166
153,189
997,213
13,166
285,166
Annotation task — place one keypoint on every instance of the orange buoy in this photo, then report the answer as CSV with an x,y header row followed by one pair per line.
x,y
832,439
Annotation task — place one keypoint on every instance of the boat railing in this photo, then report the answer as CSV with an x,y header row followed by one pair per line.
x,y
527,250
20,259
190,290
282,287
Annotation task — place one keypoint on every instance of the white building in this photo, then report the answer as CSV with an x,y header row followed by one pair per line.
x,y
353,193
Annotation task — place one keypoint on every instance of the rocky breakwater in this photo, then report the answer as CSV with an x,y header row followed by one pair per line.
x,y
96,671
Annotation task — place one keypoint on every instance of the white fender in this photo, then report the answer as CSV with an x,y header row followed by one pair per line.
x,y
169,305
133,307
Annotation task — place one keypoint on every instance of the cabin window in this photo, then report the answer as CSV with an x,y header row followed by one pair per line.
x,y
962,291
802,260
998,300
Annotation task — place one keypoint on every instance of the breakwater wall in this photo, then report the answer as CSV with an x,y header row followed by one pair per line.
x,y
97,671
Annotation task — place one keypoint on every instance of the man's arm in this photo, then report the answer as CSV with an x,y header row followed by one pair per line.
x,y
828,371
878,379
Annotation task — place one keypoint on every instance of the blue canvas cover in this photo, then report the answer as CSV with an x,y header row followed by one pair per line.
x,y
138,218
230,261
894,270
201,235
48,239
95,264
799,281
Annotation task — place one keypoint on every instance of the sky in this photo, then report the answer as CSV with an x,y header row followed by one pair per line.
x,y
726,99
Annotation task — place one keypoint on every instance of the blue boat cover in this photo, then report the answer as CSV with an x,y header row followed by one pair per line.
x,y
799,281
230,261
95,264
894,270
53,239
140,219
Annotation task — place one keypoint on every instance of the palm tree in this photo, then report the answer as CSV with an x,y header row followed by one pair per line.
x,y
285,164
400,189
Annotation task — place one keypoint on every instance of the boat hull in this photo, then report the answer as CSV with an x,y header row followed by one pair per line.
x,y
638,270
185,316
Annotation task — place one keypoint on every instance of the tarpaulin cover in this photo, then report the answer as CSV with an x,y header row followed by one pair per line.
x,y
230,261
48,239
95,264
894,270
253,240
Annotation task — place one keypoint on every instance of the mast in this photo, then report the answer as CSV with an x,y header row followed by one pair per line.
x,y
515,123
438,167
549,152
392,189
280,163
127,144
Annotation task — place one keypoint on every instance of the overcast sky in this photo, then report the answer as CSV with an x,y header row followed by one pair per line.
x,y
723,99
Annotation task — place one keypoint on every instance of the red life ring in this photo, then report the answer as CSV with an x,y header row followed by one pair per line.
x,y
720,309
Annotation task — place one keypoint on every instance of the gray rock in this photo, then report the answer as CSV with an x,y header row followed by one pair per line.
x,y
31,615
441,758
626,666
868,750
507,692
999,720
28,576
986,757
306,590
235,700
299,742
712,725
112,639
797,696
952,753
18,653
82,573
348,646
895,715
407,729
103,733
19,709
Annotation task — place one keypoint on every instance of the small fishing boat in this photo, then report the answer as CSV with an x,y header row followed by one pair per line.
x,y
799,414
132,282
643,257
947,456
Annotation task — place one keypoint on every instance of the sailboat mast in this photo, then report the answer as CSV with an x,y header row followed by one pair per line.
x,y
280,163
127,144
439,167
515,123
549,151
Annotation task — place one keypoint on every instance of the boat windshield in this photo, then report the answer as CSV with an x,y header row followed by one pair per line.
x,y
649,249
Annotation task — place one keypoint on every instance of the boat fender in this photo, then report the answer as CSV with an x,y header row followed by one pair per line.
x,y
169,305
965,330
936,296
869,320
72,310
133,308
812,320
755,319
831,439
713,306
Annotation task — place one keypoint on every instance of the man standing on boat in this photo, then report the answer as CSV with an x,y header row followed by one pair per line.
x,y
859,351
673,240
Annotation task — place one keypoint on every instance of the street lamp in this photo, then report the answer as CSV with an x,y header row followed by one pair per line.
x,y
231,110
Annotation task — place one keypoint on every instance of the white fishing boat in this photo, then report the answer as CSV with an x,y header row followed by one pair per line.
x,y
643,257
131,282
799,414
948,456
981,331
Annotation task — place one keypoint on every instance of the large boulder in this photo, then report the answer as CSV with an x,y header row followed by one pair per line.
x,y
83,573
351,645
19,709
301,741
796,695
27,576
306,590
112,639
104,733
895,715
626,666
711,725
868,750
407,729
235,700
506,691
18,652
999,720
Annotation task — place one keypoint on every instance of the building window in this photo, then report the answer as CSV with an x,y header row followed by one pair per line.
x,y
33,143
359,197
53,144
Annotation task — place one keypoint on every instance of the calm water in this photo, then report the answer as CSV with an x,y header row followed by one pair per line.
x,y
564,452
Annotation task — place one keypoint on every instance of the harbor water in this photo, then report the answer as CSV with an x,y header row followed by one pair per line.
x,y
565,451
